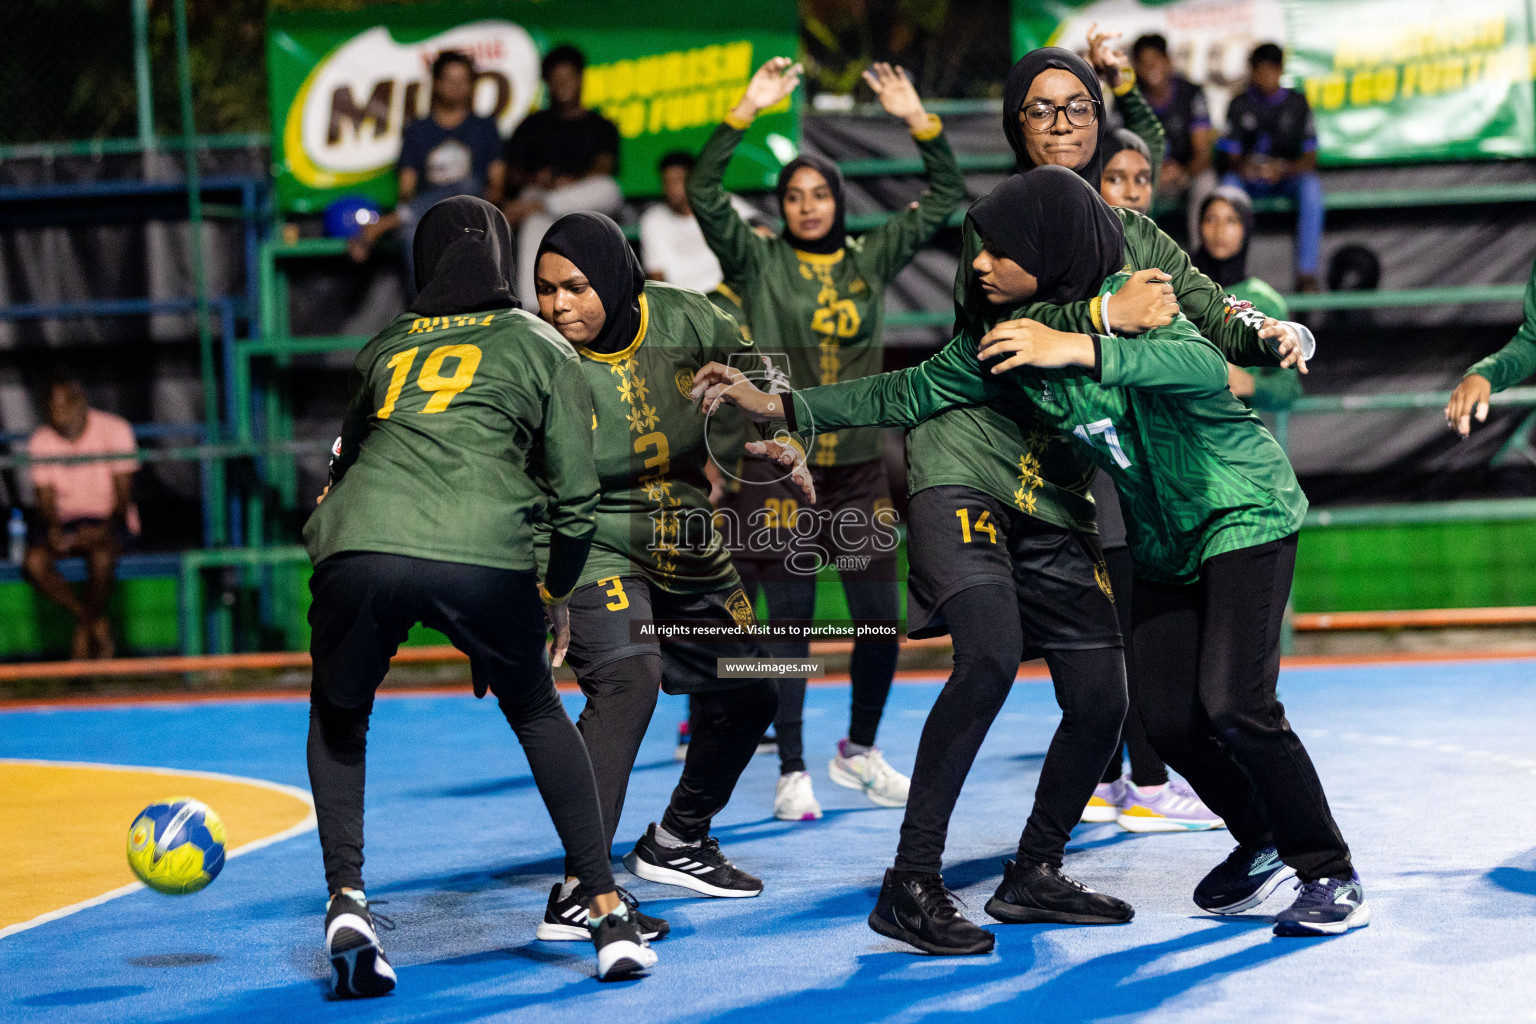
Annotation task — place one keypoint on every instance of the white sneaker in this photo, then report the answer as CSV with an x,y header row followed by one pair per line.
x,y
869,772
793,799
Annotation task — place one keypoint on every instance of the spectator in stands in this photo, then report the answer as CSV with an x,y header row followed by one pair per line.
x,y
451,152
1181,107
672,245
82,509
1270,149
1226,222
560,160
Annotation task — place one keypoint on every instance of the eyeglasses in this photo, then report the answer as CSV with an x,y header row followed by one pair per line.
x,y
1041,116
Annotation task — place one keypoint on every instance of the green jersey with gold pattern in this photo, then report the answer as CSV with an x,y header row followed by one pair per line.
x,y
650,444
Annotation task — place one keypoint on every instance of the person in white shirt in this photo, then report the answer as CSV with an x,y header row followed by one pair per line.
x,y
671,245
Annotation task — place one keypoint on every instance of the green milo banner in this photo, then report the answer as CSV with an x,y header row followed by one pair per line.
x,y
342,85
1387,79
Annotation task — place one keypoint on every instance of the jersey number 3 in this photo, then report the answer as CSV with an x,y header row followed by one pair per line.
x,y
1106,429
441,388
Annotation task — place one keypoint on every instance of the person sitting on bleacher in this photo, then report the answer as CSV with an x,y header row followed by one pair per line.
x,y
1270,149
1186,118
82,508
451,152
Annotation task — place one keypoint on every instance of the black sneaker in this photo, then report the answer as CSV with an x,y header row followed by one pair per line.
x,y
565,918
921,912
1041,894
621,950
1242,881
1325,906
358,965
702,867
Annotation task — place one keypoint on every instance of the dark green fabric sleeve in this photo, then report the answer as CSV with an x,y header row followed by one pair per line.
x,y
1142,121
1173,360
900,398
891,246
1517,359
738,248
570,474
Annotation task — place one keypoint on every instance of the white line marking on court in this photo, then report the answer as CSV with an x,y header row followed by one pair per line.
x,y
308,824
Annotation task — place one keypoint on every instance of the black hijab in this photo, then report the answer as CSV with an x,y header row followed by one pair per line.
x,y
1234,268
598,247
833,240
1051,223
462,257
1016,91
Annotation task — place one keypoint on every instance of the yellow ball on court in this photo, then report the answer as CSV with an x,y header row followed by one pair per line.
x,y
176,846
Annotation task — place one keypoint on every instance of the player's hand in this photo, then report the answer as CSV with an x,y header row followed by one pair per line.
x,y
323,494
1106,59
1030,343
772,82
559,618
1286,343
715,384
893,87
1142,303
1468,400
793,458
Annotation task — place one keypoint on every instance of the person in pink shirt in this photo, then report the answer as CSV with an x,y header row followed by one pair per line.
x,y
81,510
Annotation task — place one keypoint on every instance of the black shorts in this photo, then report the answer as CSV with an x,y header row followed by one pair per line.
x,y
602,615
853,518
959,537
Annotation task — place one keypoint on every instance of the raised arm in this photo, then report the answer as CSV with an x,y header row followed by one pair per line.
x,y
571,477
738,248
891,246
1114,67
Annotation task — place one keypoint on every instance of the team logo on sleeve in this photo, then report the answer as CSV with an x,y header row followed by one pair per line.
x,y
684,380
740,608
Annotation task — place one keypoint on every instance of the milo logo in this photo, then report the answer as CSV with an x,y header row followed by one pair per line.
x,y
343,127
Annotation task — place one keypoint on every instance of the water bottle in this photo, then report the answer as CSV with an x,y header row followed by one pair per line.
x,y
17,529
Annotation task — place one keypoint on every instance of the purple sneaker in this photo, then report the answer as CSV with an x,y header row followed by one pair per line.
x,y
1105,802
1173,807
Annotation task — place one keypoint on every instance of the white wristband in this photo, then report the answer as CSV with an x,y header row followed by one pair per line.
x,y
1104,312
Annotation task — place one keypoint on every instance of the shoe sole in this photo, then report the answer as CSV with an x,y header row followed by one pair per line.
x,y
848,780
807,816
1012,913
552,932
1095,815
358,971
669,876
1260,895
1358,918
1148,823
900,934
619,960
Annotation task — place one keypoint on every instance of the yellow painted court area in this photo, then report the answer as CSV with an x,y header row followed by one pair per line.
x,y
67,826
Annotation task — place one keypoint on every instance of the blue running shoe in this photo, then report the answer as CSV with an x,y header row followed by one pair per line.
x,y
1327,906
1242,881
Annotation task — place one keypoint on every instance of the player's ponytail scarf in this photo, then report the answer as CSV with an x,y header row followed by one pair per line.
x,y
463,258
1234,268
835,237
1016,91
599,249
1051,223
